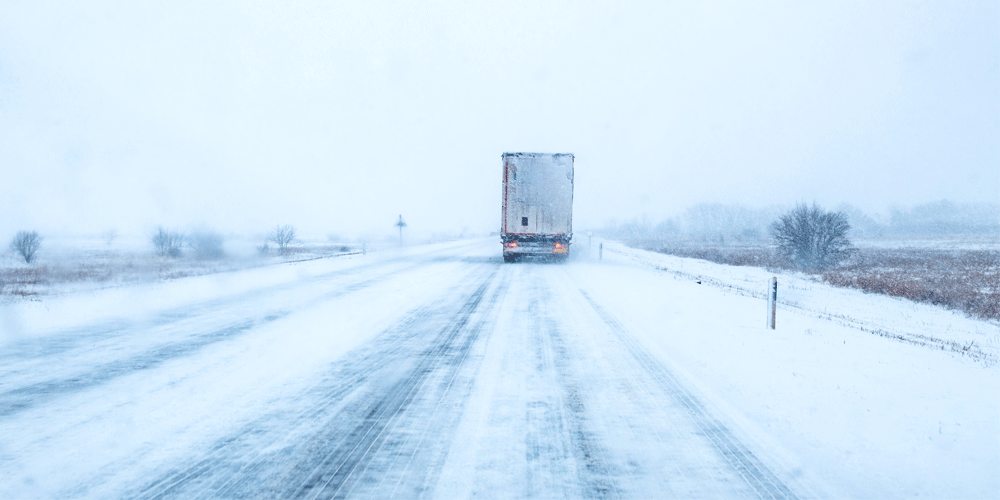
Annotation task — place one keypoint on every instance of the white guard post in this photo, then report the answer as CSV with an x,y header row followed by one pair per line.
x,y
772,302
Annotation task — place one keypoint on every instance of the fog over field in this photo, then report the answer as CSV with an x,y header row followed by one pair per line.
x,y
339,116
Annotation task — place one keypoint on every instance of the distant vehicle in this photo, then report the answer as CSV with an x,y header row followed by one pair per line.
x,y
537,205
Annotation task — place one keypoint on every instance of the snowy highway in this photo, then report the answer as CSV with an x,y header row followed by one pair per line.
x,y
438,372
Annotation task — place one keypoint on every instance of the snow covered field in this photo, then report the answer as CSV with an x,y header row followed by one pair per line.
x,y
439,371
68,265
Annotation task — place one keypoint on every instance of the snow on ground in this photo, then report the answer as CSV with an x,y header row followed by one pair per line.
x,y
65,305
881,315
869,416
99,389
440,371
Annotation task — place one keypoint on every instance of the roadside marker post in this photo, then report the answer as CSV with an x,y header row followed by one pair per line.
x,y
400,224
772,302
600,251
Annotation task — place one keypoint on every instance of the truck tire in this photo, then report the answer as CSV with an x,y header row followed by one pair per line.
x,y
508,258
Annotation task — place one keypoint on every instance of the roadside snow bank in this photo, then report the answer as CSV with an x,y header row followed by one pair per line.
x,y
856,414
890,317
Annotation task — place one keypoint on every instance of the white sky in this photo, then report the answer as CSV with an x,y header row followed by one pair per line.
x,y
337,116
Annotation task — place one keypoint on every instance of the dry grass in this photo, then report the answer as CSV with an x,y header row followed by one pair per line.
x,y
100,269
39,279
964,280
757,256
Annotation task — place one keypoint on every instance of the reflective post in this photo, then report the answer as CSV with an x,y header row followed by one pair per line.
x,y
772,302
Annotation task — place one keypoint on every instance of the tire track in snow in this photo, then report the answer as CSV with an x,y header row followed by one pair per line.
x,y
234,462
311,455
337,471
558,428
74,337
25,397
410,458
757,476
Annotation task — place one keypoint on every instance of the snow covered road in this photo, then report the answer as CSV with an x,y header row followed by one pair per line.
x,y
436,372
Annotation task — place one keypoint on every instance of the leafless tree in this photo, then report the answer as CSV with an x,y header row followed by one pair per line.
x,y
812,238
109,236
168,243
282,236
26,243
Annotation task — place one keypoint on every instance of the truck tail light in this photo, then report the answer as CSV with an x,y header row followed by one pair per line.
x,y
512,244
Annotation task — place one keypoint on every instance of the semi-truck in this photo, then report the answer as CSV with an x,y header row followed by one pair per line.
x,y
537,205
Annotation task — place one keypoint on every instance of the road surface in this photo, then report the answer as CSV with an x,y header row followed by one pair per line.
x,y
442,373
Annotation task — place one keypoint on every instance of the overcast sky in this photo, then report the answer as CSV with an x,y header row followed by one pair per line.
x,y
337,116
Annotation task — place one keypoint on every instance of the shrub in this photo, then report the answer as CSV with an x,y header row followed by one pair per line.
x,y
812,238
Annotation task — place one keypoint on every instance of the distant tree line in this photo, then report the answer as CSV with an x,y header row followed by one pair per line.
x,y
806,237
734,224
173,243
714,223
945,218
203,244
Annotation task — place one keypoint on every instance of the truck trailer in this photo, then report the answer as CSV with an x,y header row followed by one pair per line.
x,y
537,205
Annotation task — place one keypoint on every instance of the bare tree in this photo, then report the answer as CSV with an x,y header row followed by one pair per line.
x,y
26,243
282,236
109,236
168,243
812,238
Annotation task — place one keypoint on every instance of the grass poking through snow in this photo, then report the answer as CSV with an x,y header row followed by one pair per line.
x,y
960,279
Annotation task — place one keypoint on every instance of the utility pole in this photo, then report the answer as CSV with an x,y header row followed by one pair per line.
x,y
400,224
